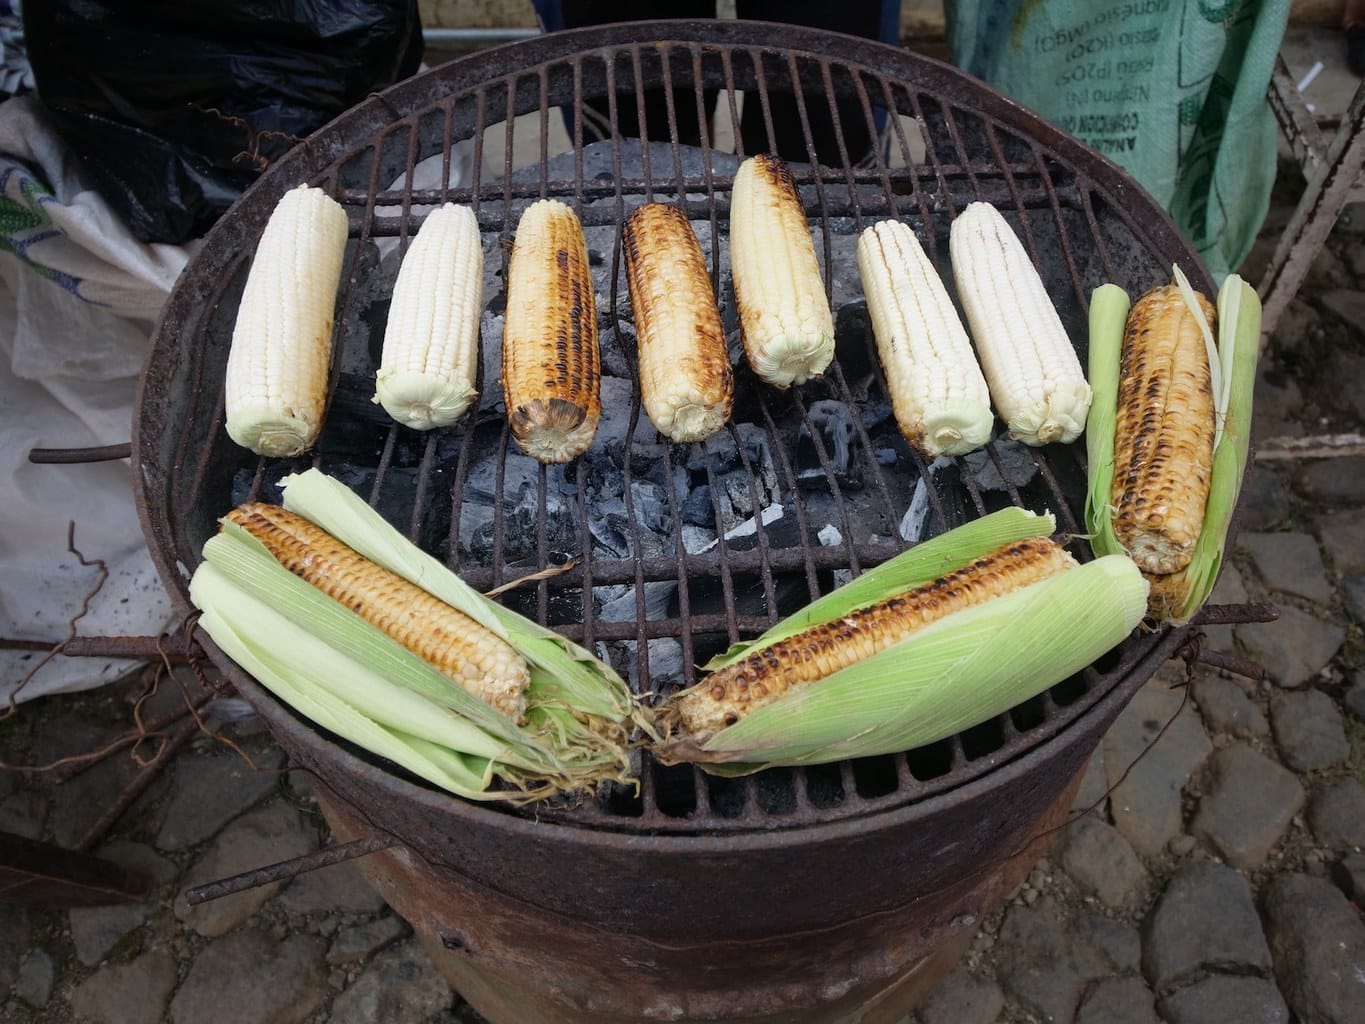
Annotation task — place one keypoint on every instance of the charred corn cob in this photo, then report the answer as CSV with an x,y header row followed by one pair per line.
x,y
939,397
763,677
686,383
431,341
947,635
1163,434
451,642
1030,364
276,385
550,375
1169,434
785,318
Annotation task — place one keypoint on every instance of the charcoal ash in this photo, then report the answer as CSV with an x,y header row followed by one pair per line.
x,y
728,463
838,429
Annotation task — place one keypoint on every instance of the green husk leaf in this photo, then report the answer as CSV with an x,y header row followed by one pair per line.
x,y
954,674
562,672
1109,306
316,681
244,562
920,564
1239,339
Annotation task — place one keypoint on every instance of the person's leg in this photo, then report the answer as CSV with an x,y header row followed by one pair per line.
x,y
1353,24
872,19
581,13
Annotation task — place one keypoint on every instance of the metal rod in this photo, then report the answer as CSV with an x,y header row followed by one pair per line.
x,y
1231,663
75,456
287,869
1232,614
176,648
475,36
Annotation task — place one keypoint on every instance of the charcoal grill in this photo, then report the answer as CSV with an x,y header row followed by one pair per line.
x,y
835,893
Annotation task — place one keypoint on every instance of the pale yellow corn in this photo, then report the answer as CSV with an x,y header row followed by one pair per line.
x,y
938,395
276,385
762,677
1035,377
467,653
550,361
431,341
1163,434
785,318
686,384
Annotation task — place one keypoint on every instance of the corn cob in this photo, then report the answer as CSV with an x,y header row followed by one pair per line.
x,y
431,341
761,678
1216,461
1031,366
550,376
785,318
1163,436
938,395
686,383
451,642
276,384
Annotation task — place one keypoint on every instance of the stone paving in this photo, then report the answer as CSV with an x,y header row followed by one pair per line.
x,y
1220,878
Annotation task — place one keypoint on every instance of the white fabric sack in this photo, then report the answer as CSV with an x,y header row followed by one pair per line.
x,y
78,299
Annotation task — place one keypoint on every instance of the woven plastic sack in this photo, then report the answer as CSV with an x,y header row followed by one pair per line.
x,y
1173,91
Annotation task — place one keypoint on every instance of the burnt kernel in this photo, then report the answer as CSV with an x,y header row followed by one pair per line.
x,y
718,692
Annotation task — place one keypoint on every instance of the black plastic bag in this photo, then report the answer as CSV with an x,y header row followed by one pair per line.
x,y
175,108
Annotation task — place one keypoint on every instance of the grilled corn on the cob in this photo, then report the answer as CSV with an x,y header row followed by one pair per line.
x,y
276,383
451,642
1163,435
431,342
550,361
1031,366
763,677
940,638
686,383
785,317
1169,434
939,397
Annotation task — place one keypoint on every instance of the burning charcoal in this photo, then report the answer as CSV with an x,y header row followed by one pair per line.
x,y
854,342
618,394
659,603
705,597
618,350
697,539
518,473
1017,460
922,520
837,428
651,507
612,532
519,528
696,508
665,665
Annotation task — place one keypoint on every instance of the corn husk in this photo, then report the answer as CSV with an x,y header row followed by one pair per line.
x,y
1176,597
336,668
921,564
951,675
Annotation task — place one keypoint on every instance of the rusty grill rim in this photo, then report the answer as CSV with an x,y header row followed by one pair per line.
x,y
376,116
774,837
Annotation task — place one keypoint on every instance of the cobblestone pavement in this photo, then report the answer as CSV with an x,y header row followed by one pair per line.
x,y
1220,879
